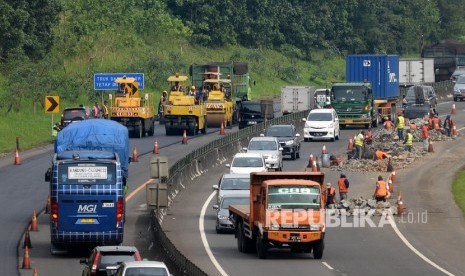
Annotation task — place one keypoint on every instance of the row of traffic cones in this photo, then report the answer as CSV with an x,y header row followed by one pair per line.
x,y
28,245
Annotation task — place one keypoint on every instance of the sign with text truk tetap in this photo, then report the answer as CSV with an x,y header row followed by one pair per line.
x,y
52,104
106,81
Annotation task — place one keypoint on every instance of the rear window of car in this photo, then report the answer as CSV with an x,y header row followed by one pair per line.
x,y
117,257
235,184
283,131
247,162
74,113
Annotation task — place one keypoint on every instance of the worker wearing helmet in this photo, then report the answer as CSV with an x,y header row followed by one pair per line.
x,y
400,124
192,91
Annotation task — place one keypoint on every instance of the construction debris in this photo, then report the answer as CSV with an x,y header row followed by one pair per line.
x,y
361,206
389,143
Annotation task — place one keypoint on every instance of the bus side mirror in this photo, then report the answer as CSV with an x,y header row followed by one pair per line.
x,y
48,175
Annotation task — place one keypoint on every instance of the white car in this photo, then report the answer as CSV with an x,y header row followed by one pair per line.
x,y
232,183
247,162
148,268
270,149
321,124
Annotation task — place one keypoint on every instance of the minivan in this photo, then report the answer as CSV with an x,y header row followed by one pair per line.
x,y
321,124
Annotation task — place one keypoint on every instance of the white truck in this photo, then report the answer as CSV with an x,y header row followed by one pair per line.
x,y
297,98
416,71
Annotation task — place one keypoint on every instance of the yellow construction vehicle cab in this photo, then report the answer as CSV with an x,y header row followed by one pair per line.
x,y
219,103
182,111
131,109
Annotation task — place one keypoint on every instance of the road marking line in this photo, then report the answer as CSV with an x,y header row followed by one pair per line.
x,y
410,246
204,237
133,193
327,265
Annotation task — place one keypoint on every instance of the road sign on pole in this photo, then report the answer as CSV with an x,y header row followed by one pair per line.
x,y
106,81
52,104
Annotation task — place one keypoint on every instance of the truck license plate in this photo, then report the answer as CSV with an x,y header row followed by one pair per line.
x,y
252,123
294,238
348,121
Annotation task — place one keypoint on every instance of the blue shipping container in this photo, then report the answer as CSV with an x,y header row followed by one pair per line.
x,y
382,71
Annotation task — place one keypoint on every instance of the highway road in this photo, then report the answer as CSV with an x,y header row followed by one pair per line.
x,y
348,250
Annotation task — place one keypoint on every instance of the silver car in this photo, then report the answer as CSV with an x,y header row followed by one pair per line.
x,y
223,223
270,149
232,183
459,88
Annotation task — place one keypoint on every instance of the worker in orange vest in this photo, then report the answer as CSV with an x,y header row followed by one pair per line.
x,y
330,194
436,122
381,191
425,135
369,138
343,184
387,124
380,155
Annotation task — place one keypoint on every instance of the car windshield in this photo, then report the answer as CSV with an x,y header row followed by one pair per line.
x,y
247,162
234,201
251,107
461,79
293,197
262,145
146,271
317,116
235,184
283,131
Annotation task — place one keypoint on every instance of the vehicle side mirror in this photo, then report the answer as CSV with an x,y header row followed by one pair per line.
x,y
215,207
304,119
244,149
48,175
280,149
215,187
83,261
297,135
228,165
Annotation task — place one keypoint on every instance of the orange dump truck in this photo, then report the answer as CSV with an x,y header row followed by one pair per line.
x,y
286,210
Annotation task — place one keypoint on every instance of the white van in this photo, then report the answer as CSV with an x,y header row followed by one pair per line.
x,y
321,124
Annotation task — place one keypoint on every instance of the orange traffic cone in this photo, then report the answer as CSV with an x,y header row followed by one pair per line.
x,y
454,131
35,272
34,225
393,176
17,160
222,129
350,146
391,185
453,111
26,260
323,149
314,167
27,240
184,137
155,146
134,155
430,146
48,207
310,161
400,204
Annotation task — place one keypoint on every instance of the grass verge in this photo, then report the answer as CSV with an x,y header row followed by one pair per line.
x,y
458,189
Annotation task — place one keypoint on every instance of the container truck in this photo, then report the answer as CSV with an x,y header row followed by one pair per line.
x,y
416,71
371,90
87,180
286,210
297,98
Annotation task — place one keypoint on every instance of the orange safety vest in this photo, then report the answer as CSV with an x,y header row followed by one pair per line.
x,y
369,136
388,125
381,189
413,126
424,132
436,123
380,154
430,122
332,192
342,185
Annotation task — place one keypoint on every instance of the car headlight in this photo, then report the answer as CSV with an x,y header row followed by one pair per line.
x,y
222,217
315,227
331,125
290,142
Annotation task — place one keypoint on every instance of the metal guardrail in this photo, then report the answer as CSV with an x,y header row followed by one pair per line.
x,y
171,254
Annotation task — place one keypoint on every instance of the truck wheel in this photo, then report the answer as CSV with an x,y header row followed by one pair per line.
x,y
455,99
262,248
318,248
191,129
140,130
239,237
151,130
204,129
293,155
297,154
